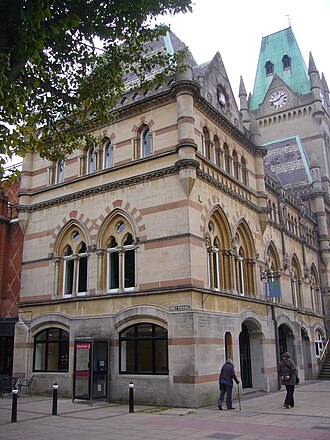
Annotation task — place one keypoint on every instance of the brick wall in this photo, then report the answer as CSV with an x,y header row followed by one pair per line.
x,y
11,245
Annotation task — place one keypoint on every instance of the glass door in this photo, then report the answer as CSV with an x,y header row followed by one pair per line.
x,y
81,377
90,369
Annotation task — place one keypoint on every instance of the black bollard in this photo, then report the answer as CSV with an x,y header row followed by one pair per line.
x,y
14,406
54,410
131,397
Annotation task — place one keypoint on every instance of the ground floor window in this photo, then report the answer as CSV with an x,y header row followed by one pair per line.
x,y
51,350
144,349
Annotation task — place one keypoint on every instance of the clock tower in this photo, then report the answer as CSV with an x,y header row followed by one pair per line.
x,y
291,101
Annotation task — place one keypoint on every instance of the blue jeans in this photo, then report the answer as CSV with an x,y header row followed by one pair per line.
x,y
228,390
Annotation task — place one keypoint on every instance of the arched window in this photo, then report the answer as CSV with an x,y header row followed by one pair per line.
x,y
206,145
296,283
273,267
73,263
269,68
245,176
107,154
119,267
59,171
318,344
315,291
217,151
91,165
215,255
219,261
144,349
51,350
240,272
227,159
245,278
145,142
236,166
286,62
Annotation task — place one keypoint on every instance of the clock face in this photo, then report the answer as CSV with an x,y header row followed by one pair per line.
x,y
278,99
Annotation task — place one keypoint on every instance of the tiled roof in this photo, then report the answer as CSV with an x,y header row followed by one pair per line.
x,y
288,160
273,48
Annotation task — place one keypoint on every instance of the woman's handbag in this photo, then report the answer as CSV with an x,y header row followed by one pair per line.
x,y
297,380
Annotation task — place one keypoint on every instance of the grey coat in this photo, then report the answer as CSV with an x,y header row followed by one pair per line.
x,y
287,371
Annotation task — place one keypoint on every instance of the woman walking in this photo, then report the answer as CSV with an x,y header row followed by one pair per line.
x,y
288,374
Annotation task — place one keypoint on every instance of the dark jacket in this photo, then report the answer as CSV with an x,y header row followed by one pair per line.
x,y
227,374
287,371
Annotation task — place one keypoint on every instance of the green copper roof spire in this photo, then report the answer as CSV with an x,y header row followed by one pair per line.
x,y
279,54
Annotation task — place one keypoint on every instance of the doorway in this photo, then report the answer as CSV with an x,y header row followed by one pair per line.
x,y
245,357
90,379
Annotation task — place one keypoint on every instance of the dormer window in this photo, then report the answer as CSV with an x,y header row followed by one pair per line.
x,y
222,99
286,62
269,68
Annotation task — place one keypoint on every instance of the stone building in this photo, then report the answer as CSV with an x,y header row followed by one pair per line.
x,y
166,249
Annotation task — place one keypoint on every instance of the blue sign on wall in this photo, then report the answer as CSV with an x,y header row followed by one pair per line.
x,y
273,289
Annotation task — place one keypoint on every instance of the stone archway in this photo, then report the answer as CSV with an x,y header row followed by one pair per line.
x,y
307,355
286,339
251,354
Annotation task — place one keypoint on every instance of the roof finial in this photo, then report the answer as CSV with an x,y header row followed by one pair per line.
x,y
287,15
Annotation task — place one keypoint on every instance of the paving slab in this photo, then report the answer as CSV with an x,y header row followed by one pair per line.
x,y
260,418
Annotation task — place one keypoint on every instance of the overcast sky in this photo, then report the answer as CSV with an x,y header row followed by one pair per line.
x,y
235,28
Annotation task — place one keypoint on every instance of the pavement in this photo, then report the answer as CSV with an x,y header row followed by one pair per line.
x,y
261,417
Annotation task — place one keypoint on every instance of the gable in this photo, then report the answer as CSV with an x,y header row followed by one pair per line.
x,y
274,48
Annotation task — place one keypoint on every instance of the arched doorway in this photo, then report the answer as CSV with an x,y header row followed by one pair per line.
x,y
245,357
251,351
285,337
307,358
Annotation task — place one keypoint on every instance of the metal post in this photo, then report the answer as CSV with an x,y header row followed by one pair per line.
x,y
14,406
277,343
54,410
131,397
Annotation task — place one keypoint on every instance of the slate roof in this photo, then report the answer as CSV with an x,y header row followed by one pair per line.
x,y
273,47
169,44
288,160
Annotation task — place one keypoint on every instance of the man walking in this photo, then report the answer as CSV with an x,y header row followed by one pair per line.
x,y
227,375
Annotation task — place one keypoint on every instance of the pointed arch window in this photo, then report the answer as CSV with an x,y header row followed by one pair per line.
x,y
91,163
143,143
240,272
107,154
318,344
315,291
245,263
269,68
59,171
68,271
217,151
236,165
227,159
273,268
113,265
219,262
206,144
245,176
73,264
120,265
286,62
296,284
